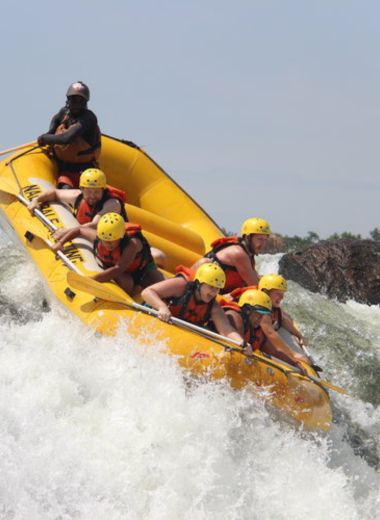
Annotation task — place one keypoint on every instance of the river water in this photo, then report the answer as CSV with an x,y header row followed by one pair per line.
x,y
110,429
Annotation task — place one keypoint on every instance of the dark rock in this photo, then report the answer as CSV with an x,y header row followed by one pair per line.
x,y
342,269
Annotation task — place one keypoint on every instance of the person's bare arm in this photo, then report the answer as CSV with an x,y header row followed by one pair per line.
x,y
235,321
154,295
279,344
79,231
110,206
46,196
244,267
66,196
288,325
223,325
235,256
64,236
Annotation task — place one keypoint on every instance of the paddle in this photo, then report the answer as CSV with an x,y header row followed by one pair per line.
x,y
302,345
31,227
20,147
103,292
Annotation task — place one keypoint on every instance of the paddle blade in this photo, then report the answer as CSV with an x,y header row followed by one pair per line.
x,y
327,384
335,388
10,187
97,289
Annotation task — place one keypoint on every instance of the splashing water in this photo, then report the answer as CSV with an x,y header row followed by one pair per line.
x,y
110,428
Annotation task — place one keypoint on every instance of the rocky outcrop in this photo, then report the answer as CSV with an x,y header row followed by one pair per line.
x,y
342,269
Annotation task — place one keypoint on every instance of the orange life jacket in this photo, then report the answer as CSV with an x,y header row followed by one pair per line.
x,y
79,151
85,213
254,336
236,293
233,278
186,273
187,307
108,258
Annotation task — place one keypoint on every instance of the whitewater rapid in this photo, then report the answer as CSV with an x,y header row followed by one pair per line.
x,y
109,428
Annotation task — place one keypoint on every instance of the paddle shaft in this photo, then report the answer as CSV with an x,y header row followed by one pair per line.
x,y
20,147
302,346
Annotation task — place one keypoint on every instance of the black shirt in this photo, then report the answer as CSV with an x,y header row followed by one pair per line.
x,y
85,125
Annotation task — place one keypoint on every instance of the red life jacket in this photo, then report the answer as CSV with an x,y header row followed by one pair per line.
x,y
254,336
80,151
108,258
85,213
233,278
236,293
187,307
185,272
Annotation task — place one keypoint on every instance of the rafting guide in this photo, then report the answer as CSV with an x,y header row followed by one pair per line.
x,y
73,137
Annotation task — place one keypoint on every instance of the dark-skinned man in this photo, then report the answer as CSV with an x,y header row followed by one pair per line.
x,y
73,137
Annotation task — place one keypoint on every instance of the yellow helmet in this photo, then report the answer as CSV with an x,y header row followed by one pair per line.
x,y
259,301
212,274
257,226
111,227
93,178
273,281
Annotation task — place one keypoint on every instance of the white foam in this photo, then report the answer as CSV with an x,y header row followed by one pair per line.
x,y
95,428
109,428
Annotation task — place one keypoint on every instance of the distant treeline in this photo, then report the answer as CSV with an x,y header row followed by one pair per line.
x,y
297,242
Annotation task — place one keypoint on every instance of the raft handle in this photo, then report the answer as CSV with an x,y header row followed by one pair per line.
x,y
29,236
69,293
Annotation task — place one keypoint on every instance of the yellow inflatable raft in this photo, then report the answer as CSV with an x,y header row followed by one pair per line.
x,y
174,223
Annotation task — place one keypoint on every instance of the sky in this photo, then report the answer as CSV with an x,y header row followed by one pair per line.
x,y
256,108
